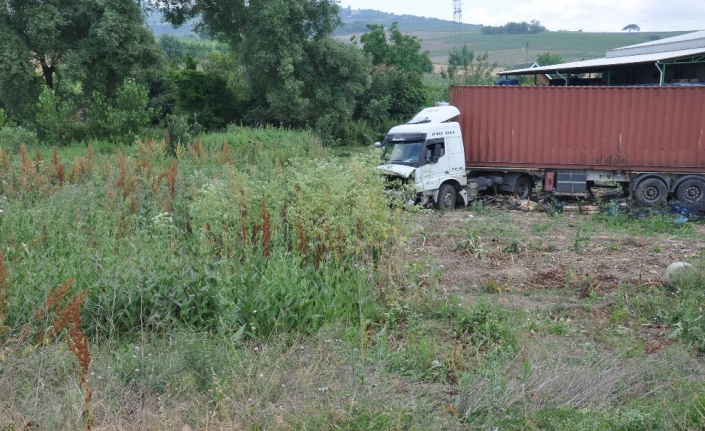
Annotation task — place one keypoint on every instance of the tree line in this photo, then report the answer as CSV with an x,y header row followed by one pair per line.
x,y
73,70
512,27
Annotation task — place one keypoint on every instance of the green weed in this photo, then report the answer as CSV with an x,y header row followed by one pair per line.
x,y
471,244
252,230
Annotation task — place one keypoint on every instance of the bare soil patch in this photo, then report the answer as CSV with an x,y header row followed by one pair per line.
x,y
555,264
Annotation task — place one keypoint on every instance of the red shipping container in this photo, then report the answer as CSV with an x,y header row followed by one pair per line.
x,y
655,129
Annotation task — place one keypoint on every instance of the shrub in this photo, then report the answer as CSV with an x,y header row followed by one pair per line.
x,y
53,116
123,119
11,137
205,96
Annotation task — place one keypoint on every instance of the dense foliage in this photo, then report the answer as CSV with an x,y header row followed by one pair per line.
x,y
67,71
66,65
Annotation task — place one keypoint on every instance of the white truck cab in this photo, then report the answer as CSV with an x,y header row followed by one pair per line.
x,y
428,150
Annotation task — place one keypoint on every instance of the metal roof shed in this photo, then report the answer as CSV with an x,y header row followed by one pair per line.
x,y
678,60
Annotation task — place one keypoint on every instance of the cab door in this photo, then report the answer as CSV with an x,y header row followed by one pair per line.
x,y
456,155
436,167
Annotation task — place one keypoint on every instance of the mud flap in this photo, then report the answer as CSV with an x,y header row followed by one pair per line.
x,y
463,194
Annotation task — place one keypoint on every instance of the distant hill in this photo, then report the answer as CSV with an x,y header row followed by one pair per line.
x,y
355,22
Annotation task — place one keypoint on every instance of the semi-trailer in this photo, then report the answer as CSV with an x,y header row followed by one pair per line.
x,y
648,140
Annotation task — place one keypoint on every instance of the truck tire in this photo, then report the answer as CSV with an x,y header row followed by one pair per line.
x,y
446,197
651,191
691,191
523,186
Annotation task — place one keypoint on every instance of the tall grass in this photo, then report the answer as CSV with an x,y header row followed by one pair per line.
x,y
250,231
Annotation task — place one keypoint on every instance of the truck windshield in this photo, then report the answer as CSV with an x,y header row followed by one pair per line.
x,y
404,153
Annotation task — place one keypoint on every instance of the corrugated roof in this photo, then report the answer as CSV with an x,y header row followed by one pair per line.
x,y
684,45
676,43
606,62
524,66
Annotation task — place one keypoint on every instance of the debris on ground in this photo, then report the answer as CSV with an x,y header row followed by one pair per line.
x,y
610,203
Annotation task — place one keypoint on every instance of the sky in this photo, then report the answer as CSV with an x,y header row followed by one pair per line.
x,y
589,16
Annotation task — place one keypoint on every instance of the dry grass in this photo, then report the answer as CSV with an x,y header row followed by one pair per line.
x,y
281,385
567,374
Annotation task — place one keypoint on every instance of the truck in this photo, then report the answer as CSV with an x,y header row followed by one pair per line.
x,y
650,141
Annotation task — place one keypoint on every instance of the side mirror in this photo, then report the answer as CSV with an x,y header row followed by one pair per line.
x,y
434,159
378,145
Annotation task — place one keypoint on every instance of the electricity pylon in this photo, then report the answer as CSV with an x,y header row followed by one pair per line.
x,y
458,24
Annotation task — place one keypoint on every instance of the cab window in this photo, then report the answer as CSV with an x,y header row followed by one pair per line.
x,y
435,149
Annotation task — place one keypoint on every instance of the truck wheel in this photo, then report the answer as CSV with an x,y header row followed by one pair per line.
x,y
446,197
691,191
651,191
523,186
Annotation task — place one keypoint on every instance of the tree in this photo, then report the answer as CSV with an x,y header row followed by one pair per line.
x,y
546,59
91,44
19,84
36,35
397,91
274,39
536,27
124,117
45,31
466,68
106,37
631,27
343,76
118,46
512,27
204,95
394,95
171,47
400,50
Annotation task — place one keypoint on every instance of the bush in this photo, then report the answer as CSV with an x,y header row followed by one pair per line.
x,y
53,117
205,96
182,129
123,119
11,137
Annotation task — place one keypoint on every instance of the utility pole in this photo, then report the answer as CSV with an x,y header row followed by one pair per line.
x,y
495,46
458,24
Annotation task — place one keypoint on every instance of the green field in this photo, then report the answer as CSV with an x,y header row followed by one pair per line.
x,y
509,49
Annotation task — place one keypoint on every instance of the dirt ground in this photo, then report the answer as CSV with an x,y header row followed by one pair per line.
x,y
537,262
